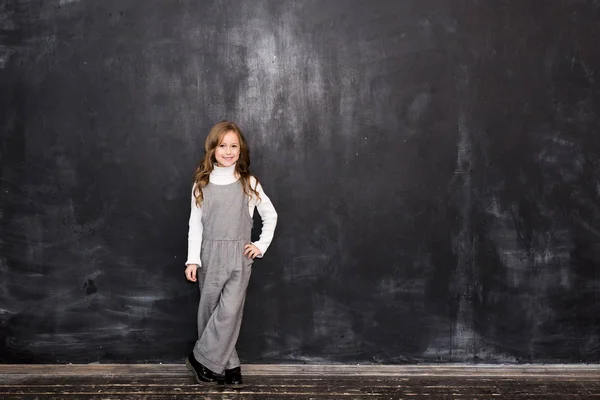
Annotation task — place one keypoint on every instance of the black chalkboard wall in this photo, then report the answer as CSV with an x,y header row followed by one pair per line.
x,y
435,166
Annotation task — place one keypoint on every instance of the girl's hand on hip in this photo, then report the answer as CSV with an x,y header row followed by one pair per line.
x,y
190,272
251,251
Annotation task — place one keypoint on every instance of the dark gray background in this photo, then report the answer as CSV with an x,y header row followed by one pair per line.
x,y
434,165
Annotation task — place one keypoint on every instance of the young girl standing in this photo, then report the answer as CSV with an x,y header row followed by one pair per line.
x,y
220,254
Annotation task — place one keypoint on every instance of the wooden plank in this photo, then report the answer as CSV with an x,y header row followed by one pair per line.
x,y
579,370
304,385
133,393
170,386
184,379
253,396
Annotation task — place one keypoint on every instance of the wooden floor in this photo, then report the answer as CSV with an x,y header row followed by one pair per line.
x,y
293,382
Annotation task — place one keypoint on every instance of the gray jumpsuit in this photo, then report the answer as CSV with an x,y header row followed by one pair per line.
x,y
224,275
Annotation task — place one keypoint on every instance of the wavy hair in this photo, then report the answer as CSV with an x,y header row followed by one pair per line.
x,y
206,166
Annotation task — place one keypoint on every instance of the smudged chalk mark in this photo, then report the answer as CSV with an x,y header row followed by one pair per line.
x,y
5,55
417,108
8,28
90,287
63,3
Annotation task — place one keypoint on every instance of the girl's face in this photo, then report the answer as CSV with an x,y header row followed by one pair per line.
x,y
228,151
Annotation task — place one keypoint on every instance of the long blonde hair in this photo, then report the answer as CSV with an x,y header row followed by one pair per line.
x,y
206,166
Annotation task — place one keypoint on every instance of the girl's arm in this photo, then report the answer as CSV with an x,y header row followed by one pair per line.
x,y
269,220
194,233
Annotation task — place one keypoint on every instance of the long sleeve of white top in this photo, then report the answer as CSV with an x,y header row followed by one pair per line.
x,y
194,233
267,213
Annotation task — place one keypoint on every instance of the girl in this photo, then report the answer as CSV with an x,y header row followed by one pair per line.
x,y
220,254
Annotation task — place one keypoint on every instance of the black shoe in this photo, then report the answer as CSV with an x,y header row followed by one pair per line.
x,y
233,378
202,374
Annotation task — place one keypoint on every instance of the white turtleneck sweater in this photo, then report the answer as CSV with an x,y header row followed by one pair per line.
x,y
225,176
